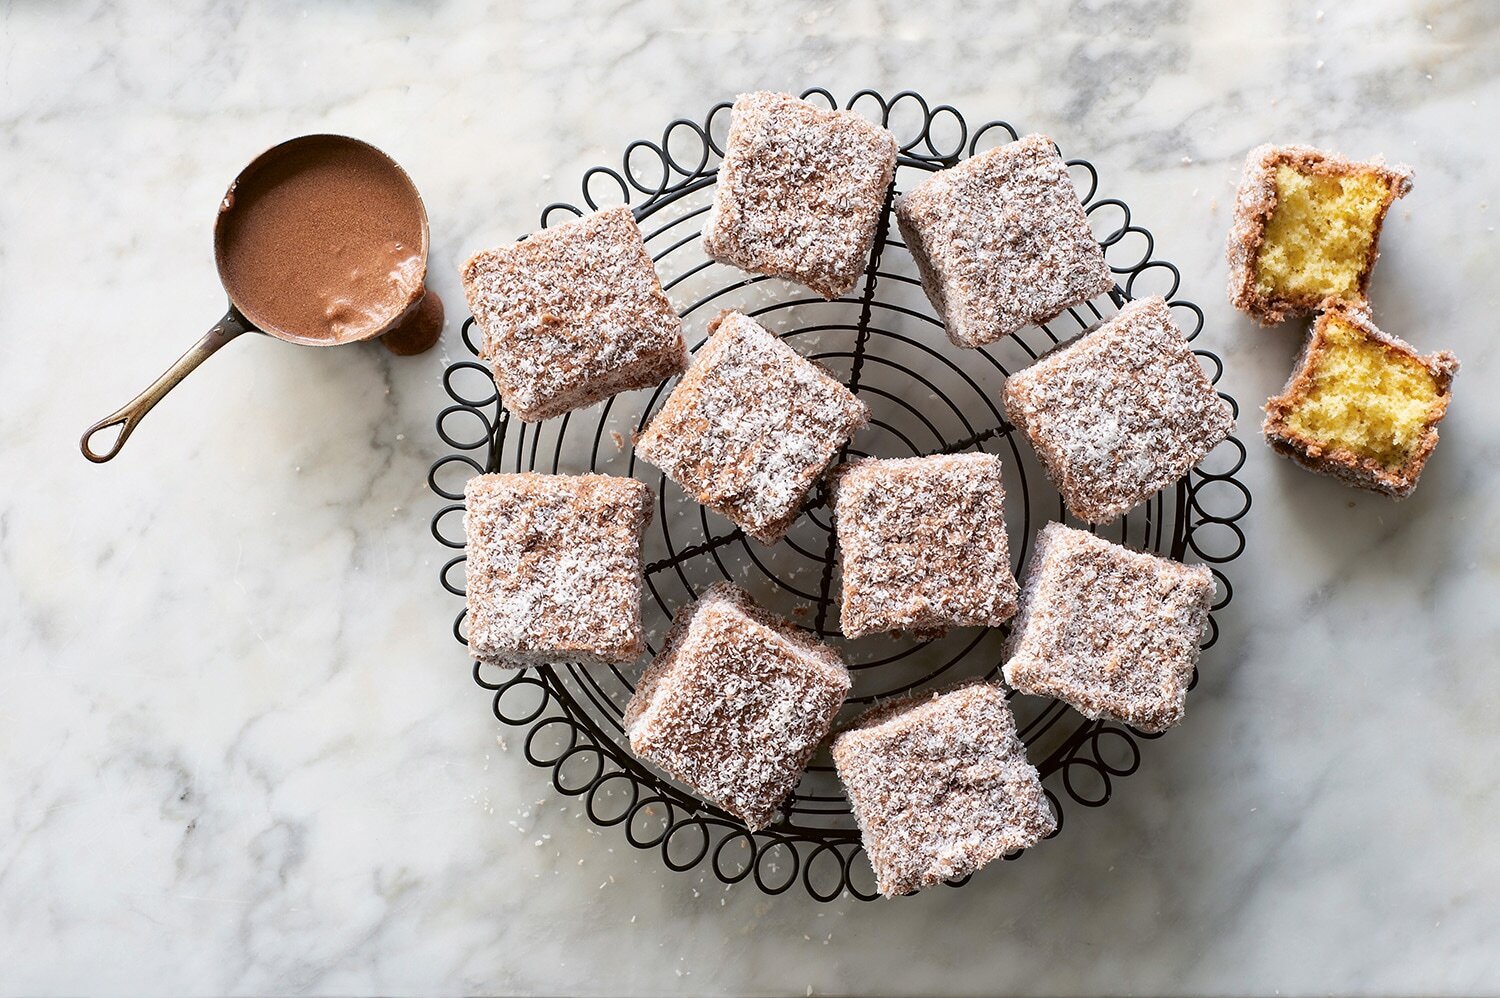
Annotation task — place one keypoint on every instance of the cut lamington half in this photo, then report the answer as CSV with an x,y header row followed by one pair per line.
x,y
800,192
1362,405
736,703
1119,413
1306,227
1002,241
553,571
572,315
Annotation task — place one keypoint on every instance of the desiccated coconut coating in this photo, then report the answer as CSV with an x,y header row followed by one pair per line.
x,y
923,545
572,315
940,786
1110,631
736,703
1120,412
800,192
751,427
1002,241
1255,202
554,567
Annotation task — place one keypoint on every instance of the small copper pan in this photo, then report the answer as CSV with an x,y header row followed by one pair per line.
x,y
414,323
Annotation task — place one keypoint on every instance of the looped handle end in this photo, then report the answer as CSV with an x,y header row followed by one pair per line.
x,y
128,417
126,424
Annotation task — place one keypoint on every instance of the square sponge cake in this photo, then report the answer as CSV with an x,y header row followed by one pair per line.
x,y
736,703
751,427
1306,227
1361,405
572,315
1120,412
923,544
553,569
800,192
940,786
1109,631
1002,241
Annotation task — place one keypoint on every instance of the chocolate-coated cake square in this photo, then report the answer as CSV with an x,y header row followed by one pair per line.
x,y
940,786
572,315
554,567
1361,405
1110,631
800,192
1120,412
1306,228
923,545
1002,241
751,427
736,703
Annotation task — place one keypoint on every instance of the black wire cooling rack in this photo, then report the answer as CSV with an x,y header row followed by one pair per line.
x,y
926,396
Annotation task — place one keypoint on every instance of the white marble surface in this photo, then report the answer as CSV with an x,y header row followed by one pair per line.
x,y
238,749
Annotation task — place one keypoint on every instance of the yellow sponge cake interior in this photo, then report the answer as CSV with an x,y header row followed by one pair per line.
x,y
1318,240
1364,396
1362,404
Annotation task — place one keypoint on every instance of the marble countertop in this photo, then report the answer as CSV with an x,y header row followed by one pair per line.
x,y
238,748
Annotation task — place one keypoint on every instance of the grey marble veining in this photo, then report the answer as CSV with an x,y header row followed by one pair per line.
x,y
239,751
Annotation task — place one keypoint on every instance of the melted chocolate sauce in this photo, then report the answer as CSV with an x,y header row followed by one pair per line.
x,y
323,242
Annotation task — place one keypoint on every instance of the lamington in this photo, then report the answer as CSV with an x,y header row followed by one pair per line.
x,y
940,786
1306,227
1109,631
800,192
554,568
751,427
922,544
1120,412
1002,241
1361,405
736,703
572,315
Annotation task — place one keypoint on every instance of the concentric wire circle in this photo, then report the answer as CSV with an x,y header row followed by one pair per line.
x,y
926,396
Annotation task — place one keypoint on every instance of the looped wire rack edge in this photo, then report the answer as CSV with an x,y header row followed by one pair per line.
x,y
927,397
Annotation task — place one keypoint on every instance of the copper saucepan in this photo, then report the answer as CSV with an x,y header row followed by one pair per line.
x,y
411,320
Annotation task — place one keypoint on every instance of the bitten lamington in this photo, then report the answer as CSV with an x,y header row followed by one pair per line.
x,y
736,703
1361,405
1002,241
1120,412
572,315
940,786
800,192
923,545
554,567
751,427
1306,227
1110,631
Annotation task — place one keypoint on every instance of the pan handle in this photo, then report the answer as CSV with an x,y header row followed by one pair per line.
x,y
129,416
